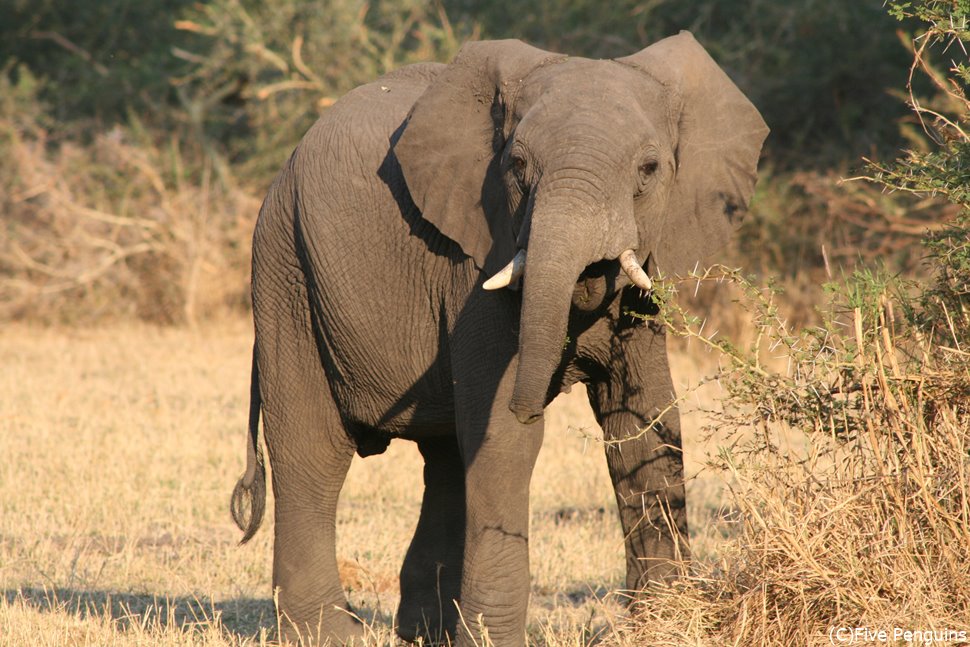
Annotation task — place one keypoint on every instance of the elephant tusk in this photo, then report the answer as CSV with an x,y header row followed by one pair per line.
x,y
508,274
628,261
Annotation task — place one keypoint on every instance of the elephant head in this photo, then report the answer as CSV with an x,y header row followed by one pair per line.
x,y
560,162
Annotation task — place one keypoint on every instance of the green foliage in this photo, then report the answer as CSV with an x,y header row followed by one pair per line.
x,y
944,308
952,13
20,105
97,59
860,290
944,172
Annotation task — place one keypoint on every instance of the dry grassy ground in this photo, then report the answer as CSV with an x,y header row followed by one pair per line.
x,y
119,448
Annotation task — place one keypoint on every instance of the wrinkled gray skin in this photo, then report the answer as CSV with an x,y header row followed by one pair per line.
x,y
371,322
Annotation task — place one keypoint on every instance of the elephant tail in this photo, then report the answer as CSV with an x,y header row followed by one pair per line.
x,y
249,496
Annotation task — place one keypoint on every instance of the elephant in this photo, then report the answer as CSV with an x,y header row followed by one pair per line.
x,y
447,249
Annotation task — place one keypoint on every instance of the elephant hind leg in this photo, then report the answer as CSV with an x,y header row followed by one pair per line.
x,y
310,598
431,574
310,453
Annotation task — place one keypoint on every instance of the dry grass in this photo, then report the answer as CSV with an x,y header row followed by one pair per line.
x,y
119,450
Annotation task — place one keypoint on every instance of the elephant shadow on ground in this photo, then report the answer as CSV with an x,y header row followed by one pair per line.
x,y
241,617
244,618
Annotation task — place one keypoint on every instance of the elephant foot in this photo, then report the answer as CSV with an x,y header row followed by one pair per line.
x,y
426,620
333,627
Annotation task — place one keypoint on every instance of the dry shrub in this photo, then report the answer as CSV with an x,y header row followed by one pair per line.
x,y
819,223
115,228
848,468
812,227
865,222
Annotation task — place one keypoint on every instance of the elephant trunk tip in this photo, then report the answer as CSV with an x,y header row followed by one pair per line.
x,y
526,415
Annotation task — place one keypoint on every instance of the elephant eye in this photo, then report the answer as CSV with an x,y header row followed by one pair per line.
x,y
645,173
648,168
517,164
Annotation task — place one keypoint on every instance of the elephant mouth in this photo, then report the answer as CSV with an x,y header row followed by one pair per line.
x,y
600,269
595,285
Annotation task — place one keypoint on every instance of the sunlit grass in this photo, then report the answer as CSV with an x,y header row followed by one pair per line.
x,y
120,447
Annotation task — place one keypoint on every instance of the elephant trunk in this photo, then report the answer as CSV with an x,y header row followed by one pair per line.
x,y
565,237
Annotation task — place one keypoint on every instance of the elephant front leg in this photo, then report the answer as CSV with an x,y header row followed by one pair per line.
x,y
431,574
646,463
648,478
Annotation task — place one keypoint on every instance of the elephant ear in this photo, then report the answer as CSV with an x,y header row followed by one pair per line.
x,y
450,150
718,135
